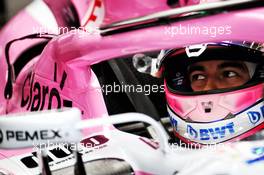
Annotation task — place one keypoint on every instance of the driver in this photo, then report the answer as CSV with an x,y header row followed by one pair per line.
x,y
214,91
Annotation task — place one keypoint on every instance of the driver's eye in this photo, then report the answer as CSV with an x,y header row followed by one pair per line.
x,y
229,74
197,77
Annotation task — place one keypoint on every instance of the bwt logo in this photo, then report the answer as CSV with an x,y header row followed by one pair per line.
x,y
254,116
174,123
211,133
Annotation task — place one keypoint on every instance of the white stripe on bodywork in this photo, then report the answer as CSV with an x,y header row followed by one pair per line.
x,y
43,15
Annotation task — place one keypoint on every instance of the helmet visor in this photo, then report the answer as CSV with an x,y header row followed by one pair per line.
x,y
219,68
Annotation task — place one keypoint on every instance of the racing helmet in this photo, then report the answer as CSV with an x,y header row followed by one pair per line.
x,y
231,110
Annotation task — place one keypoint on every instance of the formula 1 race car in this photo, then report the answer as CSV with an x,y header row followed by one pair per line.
x,y
69,70
55,135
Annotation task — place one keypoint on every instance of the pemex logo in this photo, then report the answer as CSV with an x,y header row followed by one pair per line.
x,y
1,136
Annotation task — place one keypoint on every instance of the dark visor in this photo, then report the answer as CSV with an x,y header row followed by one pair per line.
x,y
219,68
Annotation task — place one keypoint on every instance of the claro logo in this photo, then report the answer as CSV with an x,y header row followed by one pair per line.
x,y
42,97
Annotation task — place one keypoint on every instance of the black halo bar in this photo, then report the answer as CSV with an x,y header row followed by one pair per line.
x,y
79,165
45,169
173,15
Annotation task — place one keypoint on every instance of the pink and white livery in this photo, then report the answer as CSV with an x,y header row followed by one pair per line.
x,y
61,76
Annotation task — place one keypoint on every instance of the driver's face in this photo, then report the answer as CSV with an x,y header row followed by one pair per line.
x,y
217,74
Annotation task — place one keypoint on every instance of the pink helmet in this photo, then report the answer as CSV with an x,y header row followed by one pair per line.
x,y
214,115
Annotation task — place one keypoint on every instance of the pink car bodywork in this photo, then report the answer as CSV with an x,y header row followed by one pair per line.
x,y
62,75
73,54
91,14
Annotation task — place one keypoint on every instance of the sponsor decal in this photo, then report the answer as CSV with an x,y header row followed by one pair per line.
x,y
174,123
94,141
211,133
19,136
64,152
192,132
42,97
255,116
54,155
